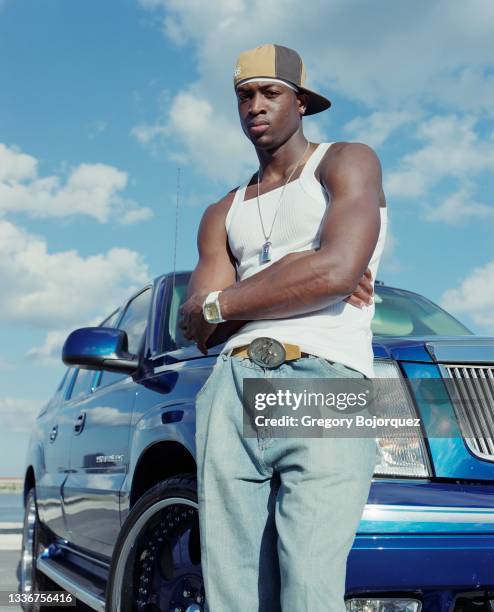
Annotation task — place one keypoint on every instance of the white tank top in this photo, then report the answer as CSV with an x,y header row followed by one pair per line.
x,y
340,332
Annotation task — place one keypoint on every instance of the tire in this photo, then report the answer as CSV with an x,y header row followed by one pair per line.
x,y
33,542
156,564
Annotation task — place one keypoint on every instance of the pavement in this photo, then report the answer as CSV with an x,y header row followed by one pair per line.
x,y
10,554
10,536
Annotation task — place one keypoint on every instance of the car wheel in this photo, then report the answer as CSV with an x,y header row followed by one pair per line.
x,y
33,542
157,561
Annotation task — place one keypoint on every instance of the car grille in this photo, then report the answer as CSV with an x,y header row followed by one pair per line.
x,y
474,405
474,602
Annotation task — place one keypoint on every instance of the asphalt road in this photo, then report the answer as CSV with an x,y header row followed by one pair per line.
x,y
10,554
9,560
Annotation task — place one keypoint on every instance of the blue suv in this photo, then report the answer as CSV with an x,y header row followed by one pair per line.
x,y
110,491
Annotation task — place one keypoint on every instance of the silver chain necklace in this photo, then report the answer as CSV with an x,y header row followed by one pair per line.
x,y
265,254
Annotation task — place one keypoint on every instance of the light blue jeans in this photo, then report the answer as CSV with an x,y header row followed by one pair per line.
x,y
277,516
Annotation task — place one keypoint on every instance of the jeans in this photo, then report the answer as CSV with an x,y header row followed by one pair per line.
x,y
277,516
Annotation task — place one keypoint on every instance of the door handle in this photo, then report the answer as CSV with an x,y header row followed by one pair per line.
x,y
53,433
79,423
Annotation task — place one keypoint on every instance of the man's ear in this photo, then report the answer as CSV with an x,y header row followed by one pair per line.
x,y
302,102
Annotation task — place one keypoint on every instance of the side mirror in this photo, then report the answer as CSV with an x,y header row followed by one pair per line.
x,y
99,348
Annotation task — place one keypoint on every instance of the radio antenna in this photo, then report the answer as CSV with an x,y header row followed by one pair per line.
x,y
176,232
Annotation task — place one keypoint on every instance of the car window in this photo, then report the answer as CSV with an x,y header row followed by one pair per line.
x,y
403,313
69,383
176,339
133,322
59,395
63,381
111,320
83,384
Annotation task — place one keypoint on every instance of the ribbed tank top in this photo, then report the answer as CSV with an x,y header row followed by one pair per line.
x,y
340,332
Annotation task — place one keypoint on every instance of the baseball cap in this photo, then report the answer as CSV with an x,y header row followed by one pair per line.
x,y
280,63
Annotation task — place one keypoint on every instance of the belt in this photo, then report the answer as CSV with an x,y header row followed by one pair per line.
x,y
292,351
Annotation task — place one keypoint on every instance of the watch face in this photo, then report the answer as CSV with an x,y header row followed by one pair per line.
x,y
211,311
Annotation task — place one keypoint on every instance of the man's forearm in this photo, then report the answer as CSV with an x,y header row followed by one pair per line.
x,y
296,284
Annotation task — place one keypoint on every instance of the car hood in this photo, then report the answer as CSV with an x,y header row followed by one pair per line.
x,y
435,349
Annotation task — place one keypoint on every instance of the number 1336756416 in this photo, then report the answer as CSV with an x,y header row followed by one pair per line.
x,y
53,598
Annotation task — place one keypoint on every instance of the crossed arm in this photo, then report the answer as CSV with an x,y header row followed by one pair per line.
x,y
299,282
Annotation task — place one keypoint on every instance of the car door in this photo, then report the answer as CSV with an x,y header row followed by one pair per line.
x,y
53,432
99,450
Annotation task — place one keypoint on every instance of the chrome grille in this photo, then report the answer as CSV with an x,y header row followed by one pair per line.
x,y
474,405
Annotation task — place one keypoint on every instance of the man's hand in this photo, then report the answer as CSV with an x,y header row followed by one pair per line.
x,y
362,296
192,322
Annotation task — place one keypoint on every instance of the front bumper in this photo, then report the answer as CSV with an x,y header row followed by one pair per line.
x,y
438,570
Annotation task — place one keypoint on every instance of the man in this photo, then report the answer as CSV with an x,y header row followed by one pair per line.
x,y
286,267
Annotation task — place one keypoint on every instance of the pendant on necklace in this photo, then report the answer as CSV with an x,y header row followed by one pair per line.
x,y
265,253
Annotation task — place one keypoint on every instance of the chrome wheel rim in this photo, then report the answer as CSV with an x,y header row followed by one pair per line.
x,y
28,547
163,556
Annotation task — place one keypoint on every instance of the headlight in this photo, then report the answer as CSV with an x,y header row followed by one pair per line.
x,y
406,456
387,604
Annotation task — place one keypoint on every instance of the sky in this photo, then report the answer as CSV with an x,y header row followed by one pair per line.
x,y
102,102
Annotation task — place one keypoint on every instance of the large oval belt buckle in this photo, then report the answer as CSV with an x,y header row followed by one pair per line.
x,y
266,352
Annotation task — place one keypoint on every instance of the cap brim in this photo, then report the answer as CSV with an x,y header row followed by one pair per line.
x,y
317,103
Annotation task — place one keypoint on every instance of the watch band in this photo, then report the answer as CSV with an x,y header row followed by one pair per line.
x,y
212,300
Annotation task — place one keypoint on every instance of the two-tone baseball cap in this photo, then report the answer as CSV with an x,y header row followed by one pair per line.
x,y
280,63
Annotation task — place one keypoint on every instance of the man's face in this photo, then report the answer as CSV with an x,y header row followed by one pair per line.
x,y
269,112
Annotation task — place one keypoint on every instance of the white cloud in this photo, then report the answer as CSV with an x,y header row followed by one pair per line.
x,y
474,296
467,88
382,55
145,133
452,149
394,58
52,290
50,353
210,140
133,215
459,208
17,415
174,31
376,128
89,189
16,166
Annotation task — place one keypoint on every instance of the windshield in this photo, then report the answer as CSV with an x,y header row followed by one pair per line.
x,y
402,313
